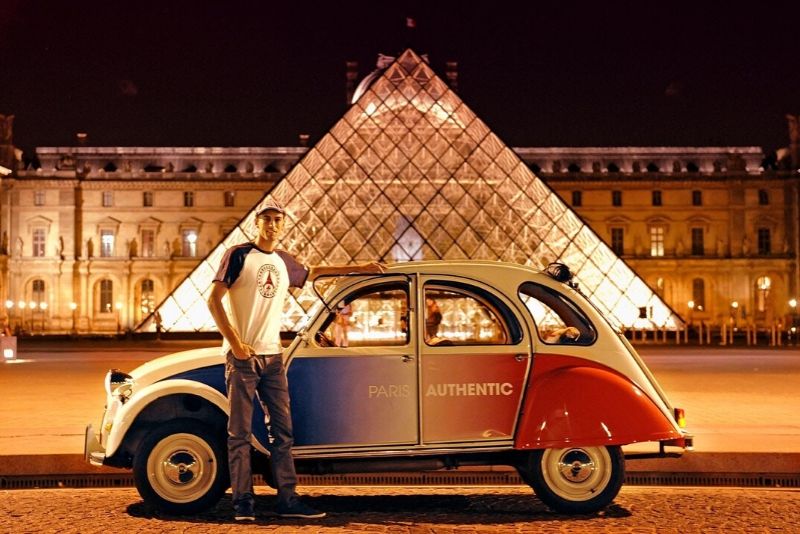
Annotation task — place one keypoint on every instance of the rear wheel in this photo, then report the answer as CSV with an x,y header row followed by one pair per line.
x,y
181,467
575,480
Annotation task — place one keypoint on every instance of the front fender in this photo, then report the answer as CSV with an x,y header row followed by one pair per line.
x,y
128,412
588,406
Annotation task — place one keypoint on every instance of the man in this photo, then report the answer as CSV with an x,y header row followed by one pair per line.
x,y
257,276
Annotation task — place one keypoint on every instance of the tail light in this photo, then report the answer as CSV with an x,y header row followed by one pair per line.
x,y
680,417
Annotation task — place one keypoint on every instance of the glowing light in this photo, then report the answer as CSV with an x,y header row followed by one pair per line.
x,y
8,354
734,304
21,305
690,304
9,304
793,303
73,306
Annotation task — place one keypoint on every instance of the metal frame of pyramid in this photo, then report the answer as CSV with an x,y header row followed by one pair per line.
x,y
410,172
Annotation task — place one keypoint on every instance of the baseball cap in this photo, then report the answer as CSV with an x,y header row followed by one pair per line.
x,y
270,205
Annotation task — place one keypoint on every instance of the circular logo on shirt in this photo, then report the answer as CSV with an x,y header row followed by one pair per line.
x,y
268,278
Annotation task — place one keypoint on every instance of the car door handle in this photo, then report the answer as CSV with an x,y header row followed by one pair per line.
x,y
407,358
522,357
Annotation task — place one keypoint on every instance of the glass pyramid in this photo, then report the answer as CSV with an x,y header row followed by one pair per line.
x,y
410,173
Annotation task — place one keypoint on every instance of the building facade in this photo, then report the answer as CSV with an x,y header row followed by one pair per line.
x,y
710,229
95,238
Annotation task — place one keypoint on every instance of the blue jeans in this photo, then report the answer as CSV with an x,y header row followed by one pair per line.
x,y
262,375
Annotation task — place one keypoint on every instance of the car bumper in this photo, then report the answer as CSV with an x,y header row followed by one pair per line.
x,y
93,452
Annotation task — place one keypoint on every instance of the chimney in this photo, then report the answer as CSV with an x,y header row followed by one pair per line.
x,y
303,138
351,75
82,137
451,72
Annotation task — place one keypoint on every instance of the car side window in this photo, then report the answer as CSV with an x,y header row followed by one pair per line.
x,y
377,316
558,320
458,316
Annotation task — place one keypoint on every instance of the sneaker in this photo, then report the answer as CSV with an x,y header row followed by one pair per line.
x,y
297,509
244,511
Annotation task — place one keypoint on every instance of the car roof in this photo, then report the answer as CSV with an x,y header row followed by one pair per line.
x,y
503,276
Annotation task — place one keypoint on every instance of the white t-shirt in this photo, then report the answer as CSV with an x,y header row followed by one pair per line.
x,y
257,284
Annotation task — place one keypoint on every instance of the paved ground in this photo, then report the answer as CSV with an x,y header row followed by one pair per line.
x,y
415,510
741,403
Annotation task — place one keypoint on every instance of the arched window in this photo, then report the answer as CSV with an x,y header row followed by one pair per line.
x,y
660,284
763,286
699,294
38,291
106,294
148,297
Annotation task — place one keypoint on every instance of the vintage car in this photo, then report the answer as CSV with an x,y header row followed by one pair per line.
x,y
430,365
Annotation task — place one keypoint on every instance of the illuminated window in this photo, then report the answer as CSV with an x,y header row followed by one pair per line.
x,y
38,241
660,284
148,243
189,243
616,198
106,243
230,199
106,296
38,198
188,199
37,291
376,316
763,197
697,198
577,198
147,199
108,199
148,297
657,198
618,241
698,246
656,241
558,320
764,242
465,316
763,286
699,294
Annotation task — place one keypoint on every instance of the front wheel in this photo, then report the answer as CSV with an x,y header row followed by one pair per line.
x,y
575,480
181,467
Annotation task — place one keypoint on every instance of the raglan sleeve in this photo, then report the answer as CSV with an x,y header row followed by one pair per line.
x,y
298,273
226,271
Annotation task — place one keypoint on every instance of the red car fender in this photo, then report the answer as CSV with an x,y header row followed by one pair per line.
x,y
571,401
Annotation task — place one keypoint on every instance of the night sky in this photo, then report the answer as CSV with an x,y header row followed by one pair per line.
x,y
231,73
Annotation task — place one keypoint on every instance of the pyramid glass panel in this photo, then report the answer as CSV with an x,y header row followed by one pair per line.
x,y
409,172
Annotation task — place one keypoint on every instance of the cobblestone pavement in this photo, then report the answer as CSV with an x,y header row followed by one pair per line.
x,y
414,510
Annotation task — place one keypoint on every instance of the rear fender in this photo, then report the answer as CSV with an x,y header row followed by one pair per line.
x,y
571,402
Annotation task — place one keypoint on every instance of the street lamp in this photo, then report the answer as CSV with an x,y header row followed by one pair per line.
x,y
43,308
118,307
74,307
9,306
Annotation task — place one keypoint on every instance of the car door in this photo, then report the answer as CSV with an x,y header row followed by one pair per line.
x,y
475,356
354,380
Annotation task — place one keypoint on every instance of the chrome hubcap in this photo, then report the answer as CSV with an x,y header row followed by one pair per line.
x,y
181,467
575,465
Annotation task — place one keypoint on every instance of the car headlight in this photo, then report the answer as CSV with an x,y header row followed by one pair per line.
x,y
119,384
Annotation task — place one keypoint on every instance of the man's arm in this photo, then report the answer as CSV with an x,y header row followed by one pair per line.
x,y
241,351
334,270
